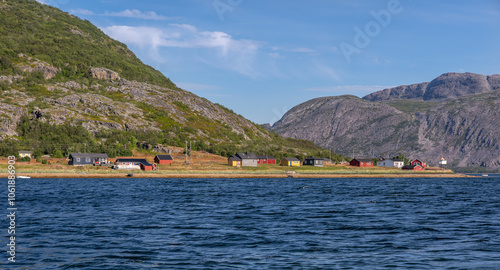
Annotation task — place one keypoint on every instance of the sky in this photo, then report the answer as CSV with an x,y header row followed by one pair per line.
x,y
260,58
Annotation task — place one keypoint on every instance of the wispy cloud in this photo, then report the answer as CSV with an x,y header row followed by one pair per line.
x,y
80,11
230,53
137,14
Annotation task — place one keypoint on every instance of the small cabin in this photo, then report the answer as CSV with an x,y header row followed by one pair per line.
x,y
246,159
418,162
391,163
23,154
82,159
164,159
313,161
361,162
266,160
234,161
290,161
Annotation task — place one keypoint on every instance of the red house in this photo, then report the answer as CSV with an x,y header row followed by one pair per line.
x,y
418,162
361,162
266,160
413,167
164,159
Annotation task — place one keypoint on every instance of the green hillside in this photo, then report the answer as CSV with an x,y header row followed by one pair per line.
x,y
53,102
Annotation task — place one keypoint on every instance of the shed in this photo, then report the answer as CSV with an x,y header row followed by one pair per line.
x,y
80,159
290,161
164,159
361,162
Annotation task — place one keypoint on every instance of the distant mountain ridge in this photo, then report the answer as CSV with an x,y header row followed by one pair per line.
x,y
446,86
454,116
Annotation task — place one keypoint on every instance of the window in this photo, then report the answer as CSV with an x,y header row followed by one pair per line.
x,y
77,159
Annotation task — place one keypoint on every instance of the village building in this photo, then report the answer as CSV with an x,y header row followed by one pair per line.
x,y
313,161
361,162
245,159
164,159
81,159
391,163
418,162
290,161
234,161
266,160
23,154
133,164
413,167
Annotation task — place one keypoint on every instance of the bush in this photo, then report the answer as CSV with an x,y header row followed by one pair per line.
x,y
44,161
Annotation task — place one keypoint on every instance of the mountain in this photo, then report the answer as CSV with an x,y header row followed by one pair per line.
x,y
66,86
454,116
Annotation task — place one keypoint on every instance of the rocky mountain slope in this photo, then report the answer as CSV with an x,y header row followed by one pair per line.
x,y
60,70
454,116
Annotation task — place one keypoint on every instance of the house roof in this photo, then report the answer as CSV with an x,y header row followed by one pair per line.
x,y
134,160
410,167
291,159
315,158
265,157
363,159
247,155
234,158
25,152
164,157
88,155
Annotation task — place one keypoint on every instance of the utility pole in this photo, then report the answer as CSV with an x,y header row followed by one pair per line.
x,y
186,152
190,153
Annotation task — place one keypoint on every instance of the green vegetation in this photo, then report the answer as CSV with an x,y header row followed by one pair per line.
x,y
66,42
412,106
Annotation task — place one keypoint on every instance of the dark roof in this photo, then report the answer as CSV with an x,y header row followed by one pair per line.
x,y
265,157
25,152
87,155
410,167
291,158
397,159
246,155
234,158
164,157
315,158
135,160
363,159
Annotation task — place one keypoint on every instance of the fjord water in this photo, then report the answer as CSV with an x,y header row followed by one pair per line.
x,y
256,224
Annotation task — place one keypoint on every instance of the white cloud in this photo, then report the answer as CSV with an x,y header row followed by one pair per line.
x,y
137,14
230,53
80,11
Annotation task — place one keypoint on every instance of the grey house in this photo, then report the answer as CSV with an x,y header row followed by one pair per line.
x,y
80,159
248,159
313,161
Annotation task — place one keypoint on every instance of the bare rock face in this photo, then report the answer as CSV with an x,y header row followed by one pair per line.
x,y
104,74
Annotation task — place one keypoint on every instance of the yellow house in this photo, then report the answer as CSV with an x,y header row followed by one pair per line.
x,y
234,161
289,161
23,154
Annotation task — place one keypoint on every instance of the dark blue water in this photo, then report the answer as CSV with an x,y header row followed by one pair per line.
x,y
256,224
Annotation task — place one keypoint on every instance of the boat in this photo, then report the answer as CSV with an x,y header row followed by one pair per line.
x,y
23,177
130,175
485,175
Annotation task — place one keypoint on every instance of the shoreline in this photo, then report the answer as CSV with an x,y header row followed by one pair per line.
x,y
66,175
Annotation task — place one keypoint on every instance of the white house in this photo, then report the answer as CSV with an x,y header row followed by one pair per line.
x,y
392,163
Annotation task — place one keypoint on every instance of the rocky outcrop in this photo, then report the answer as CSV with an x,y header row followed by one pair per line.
x,y
35,65
104,74
446,86
464,126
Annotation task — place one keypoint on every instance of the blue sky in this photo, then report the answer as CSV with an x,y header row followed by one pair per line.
x,y
262,57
